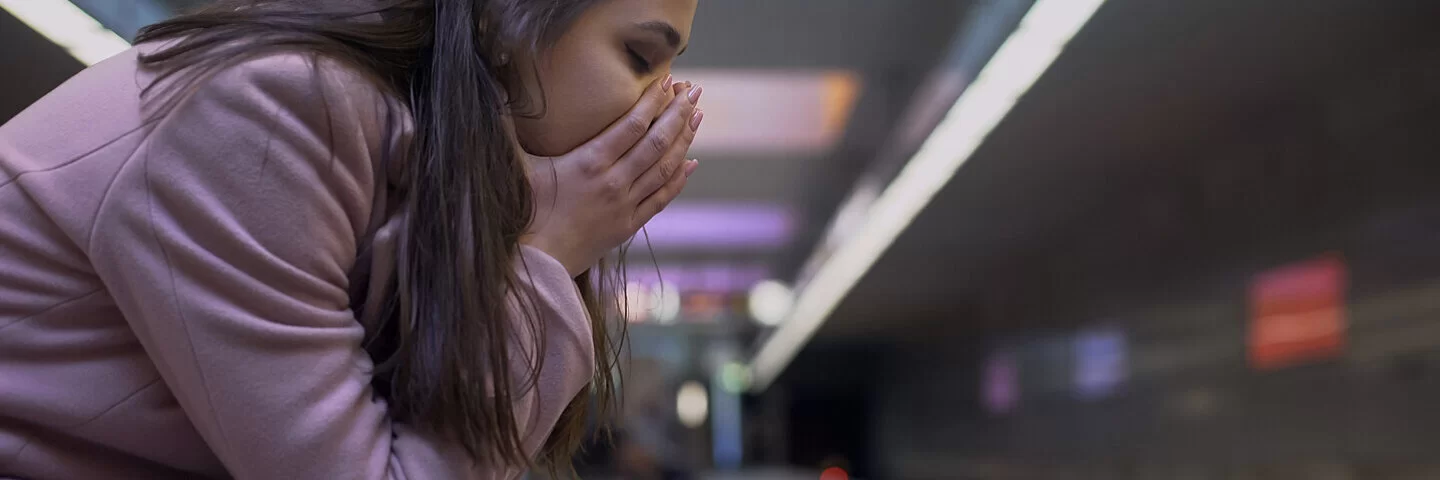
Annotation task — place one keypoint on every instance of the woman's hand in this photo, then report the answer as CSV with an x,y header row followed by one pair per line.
x,y
589,201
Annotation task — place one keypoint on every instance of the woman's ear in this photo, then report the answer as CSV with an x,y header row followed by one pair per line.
x,y
493,40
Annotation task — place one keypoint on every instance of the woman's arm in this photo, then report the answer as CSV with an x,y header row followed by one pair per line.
x,y
226,241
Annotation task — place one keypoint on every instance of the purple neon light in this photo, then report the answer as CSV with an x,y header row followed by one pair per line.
x,y
721,225
1000,390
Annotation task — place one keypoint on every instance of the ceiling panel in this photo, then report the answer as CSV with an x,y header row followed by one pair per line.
x,y
1132,166
45,65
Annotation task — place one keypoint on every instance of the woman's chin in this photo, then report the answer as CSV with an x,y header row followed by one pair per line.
x,y
546,145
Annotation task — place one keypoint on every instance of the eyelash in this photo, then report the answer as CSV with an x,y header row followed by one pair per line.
x,y
642,65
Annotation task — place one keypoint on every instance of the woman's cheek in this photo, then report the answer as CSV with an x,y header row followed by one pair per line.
x,y
597,111
605,89
605,111
581,102
607,101
565,126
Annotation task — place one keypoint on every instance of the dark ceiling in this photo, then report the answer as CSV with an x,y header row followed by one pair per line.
x,y
45,66
1173,142
891,44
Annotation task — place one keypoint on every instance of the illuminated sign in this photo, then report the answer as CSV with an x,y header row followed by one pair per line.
x,y
1297,313
1101,362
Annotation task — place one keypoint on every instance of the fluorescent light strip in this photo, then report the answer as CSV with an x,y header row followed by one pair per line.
x,y
1014,68
69,27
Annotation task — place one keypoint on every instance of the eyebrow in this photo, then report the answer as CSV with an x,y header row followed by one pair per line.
x,y
672,36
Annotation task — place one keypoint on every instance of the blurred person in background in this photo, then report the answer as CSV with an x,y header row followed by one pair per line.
x,y
333,239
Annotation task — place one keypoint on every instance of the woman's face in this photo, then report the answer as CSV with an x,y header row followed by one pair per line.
x,y
597,70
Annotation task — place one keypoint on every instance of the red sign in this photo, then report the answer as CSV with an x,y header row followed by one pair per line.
x,y
1298,313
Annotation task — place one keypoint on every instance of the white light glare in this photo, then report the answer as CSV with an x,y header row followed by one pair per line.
x,y
770,301
666,303
692,404
1016,65
69,27
637,302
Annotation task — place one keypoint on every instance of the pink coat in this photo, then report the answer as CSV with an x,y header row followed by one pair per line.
x,y
175,295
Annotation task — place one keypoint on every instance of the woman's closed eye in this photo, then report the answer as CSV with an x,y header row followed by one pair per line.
x,y
652,44
642,65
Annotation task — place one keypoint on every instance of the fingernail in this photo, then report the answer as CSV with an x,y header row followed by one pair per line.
x,y
696,119
690,167
669,82
695,94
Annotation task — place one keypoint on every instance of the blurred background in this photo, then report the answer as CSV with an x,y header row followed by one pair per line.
x,y
1010,239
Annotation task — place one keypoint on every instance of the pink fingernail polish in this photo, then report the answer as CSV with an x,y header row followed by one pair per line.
x,y
696,119
669,82
695,94
691,166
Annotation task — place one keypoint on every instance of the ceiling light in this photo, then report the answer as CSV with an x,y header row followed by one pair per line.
x,y
637,301
1016,65
792,112
770,301
734,378
666,306
69,27
692,404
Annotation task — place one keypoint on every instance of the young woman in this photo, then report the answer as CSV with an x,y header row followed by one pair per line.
x,y
332,239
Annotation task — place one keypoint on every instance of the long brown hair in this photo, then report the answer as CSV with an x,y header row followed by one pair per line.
x,y
445,365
